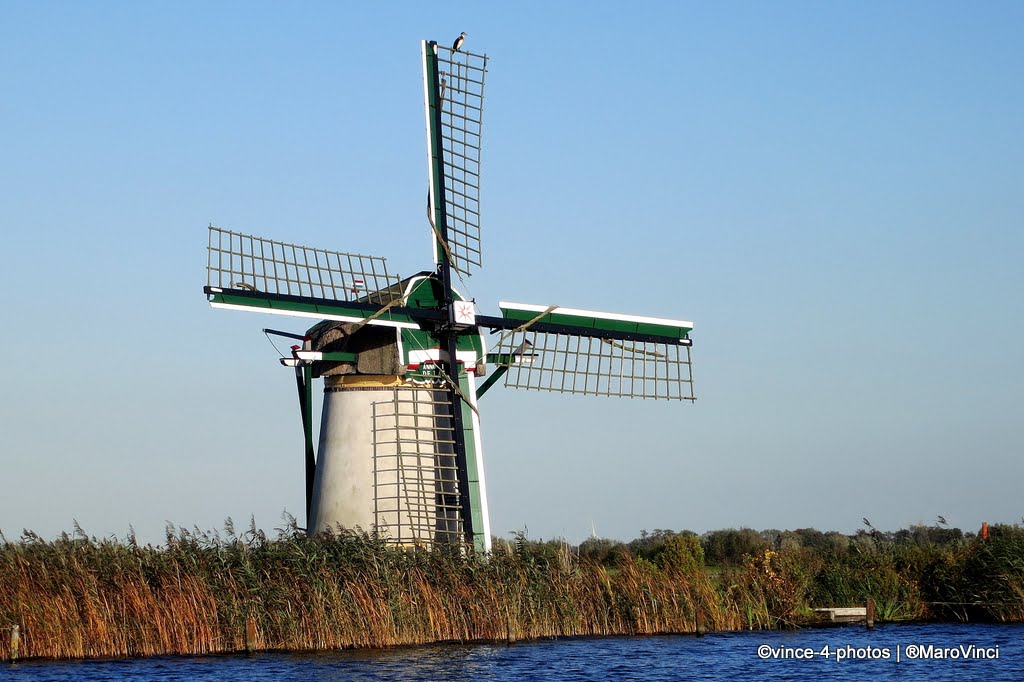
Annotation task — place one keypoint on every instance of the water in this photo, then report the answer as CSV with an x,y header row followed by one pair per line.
x,y
718,656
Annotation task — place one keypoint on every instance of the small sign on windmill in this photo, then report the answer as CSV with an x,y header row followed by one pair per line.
x,y
404,361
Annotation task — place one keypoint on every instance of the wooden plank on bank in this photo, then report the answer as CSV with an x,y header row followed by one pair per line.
x,y
849,614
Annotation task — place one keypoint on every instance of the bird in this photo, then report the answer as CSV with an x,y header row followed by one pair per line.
x,y
457,45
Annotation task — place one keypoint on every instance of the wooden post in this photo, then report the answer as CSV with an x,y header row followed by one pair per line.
x,y
15,640
870,614
250,635
698,622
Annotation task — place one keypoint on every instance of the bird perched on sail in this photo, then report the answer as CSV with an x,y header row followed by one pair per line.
x,y
457,45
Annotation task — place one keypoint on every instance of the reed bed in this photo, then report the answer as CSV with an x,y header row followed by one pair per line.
x,y
199,593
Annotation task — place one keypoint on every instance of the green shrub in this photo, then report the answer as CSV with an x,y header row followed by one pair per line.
x,y
732,546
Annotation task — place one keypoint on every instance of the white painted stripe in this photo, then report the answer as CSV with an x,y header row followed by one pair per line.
x,y
478,446
315,316
401,348
410,286
529,307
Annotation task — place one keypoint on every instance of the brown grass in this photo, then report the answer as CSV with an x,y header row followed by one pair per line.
x,y
78,597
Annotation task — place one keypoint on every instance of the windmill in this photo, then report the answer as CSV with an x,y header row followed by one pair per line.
x,y
404,361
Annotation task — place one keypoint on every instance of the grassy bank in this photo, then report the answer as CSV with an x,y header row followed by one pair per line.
x,y
82,597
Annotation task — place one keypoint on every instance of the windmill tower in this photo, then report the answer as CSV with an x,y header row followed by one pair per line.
x,y
404,361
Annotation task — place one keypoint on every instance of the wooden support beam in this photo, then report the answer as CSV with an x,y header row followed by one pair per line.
x,y
250,635
15,641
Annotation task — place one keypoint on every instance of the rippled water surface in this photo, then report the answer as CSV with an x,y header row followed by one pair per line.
x,y
719,656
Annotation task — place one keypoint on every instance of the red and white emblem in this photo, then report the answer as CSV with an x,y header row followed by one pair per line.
x,y
463,313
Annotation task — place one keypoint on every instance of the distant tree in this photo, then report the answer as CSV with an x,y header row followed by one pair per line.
x,y
943,535
812,538
649,544
1004,531
731,546
681,553
601,550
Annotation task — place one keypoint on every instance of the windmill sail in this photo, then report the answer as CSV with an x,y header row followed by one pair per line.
x,y
454,102
591,353
241,261
248,272
415,475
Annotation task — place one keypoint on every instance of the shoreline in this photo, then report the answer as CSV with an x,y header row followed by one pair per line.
x,y
79,598
455,643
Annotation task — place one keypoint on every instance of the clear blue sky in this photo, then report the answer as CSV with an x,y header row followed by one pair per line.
x,y
832,192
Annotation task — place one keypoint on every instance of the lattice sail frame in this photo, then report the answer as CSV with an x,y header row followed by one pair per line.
x,y
460,98
416,497
583,365
586,352
241,261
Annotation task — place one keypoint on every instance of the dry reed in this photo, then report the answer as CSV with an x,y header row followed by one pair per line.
x,y
79,597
